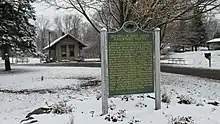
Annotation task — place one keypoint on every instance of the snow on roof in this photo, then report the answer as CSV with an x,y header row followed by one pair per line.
x,y
60,38
214,40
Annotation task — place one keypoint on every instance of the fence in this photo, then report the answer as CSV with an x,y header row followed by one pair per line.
x,y
21,60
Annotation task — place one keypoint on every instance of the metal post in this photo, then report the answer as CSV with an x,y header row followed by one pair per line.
x,y
106,65
49,47
157,69
103,71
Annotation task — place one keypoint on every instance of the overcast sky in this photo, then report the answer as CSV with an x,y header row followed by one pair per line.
x,y
49,12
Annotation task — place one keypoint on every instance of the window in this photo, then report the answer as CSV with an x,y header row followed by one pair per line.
x,y
63,50
71,49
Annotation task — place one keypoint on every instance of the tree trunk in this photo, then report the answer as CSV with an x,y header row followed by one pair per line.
x,y
6,57
196,47
121,13
7,64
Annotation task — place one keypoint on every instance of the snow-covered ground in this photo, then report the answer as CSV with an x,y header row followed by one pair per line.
x,y
31,77
92,59
134,109
197,59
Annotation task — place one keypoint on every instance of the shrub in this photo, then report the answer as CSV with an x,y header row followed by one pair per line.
x,y
166,98
186,100
115,117
61,108
182,120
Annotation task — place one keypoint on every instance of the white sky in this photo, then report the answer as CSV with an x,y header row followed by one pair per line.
x,y
49,12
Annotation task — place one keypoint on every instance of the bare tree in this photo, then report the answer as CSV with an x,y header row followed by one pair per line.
x,y
43,26
58,25
71,24
151,13
92,39
66,23
212,24
148,13
81,6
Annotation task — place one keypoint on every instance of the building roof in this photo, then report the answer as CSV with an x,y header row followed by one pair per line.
x,y
60,38
214,40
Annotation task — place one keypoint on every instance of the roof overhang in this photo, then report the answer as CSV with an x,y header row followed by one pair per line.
x,y
216,40
60,38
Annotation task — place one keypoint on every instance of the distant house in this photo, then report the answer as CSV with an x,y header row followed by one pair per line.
x,y
214,44
65,48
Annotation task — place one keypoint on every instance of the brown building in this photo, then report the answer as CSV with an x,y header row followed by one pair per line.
x,y
65,48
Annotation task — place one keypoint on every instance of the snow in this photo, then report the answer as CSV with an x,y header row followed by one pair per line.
x,y
14,107
214,40
33,60
55,41
92,59
52,77
30,60
197,59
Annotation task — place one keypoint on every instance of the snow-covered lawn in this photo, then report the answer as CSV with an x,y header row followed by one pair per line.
x,y
197,59
31,77
133,109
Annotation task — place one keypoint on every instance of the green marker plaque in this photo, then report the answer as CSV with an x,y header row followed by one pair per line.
x,y
130,61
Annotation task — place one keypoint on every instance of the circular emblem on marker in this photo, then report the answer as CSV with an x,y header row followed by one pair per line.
x,y
130,26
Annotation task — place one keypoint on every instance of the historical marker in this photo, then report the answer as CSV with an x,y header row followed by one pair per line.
x,y
130,62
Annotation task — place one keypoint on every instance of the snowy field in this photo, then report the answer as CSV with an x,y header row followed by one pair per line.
x,y
197,59
63,83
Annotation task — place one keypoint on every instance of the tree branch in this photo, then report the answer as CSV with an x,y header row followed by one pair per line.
x,y
70,1
87,17
193,16
110,10
177,16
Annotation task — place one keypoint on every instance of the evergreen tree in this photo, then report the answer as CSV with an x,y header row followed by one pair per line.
x,y
197,30
16,31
